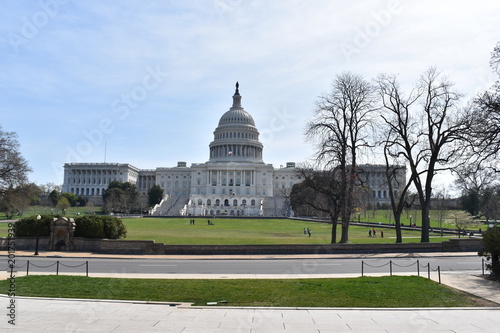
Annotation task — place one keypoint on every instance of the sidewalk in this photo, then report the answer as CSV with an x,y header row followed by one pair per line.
x,y
58,316
67,254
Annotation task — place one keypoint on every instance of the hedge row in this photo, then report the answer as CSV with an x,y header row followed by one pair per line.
x,y
87,226
95,226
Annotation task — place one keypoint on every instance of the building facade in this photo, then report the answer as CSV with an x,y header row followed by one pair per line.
x,y
234,181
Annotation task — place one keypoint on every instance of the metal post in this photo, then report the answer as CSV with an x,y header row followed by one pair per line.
x,y
28,268
439,274
36,245
482,265
418,267
362,263
390,266
38,218
428,270
57,269
87,266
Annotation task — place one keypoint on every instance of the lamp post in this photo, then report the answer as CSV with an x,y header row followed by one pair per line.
x,y
38,218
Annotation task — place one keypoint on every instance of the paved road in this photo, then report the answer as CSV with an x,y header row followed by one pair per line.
x,y
310,266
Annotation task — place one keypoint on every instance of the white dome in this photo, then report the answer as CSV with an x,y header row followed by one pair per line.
x,y
236,138
236,116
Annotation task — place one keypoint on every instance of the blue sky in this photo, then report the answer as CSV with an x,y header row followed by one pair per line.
x,y
150,79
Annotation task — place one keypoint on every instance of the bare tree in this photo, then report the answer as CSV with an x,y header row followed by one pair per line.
x,y
339,129
440,207
397,187
426,127
484,135
13,167
319,190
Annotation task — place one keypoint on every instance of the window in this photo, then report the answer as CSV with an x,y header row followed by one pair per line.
x,y
209,202
217,202
235,202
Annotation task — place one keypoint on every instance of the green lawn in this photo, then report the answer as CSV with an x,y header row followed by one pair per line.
x,y
248,231
251,231
390,291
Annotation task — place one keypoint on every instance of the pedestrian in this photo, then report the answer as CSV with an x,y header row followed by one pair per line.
x,y
369,232
309,232
374,233
305,231
382,233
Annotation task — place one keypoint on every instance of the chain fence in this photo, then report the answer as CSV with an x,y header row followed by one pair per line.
x,y
391,264
58,265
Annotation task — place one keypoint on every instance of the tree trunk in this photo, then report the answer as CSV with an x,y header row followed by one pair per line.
x,y
334,219
399,235
345,233
334,232
425,222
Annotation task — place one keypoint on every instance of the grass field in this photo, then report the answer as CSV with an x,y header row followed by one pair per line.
x,y
252,231
382,215
255,231
248,231
390,291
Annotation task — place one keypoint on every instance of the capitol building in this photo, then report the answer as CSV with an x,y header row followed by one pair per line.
x,y
234,181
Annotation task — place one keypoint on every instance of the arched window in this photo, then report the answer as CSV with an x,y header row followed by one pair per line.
x,y
209,202
235,202
217,202
200,202
226,202
244,202
252,202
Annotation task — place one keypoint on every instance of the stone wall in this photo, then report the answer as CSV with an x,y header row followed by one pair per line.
x,y
121,246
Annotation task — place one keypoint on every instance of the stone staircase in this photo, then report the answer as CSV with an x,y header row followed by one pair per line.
x,y
172,206
276,206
